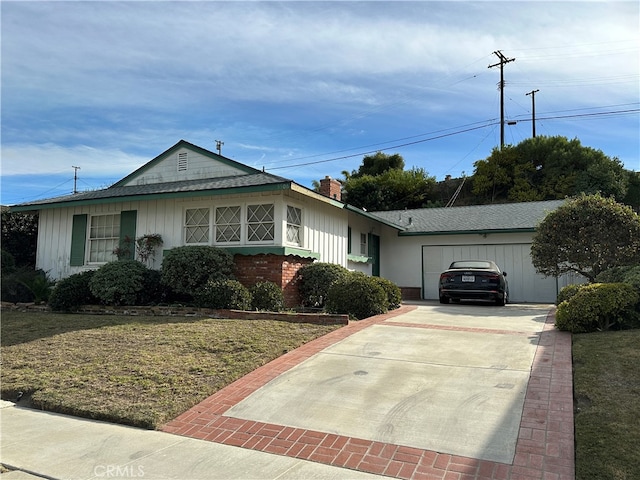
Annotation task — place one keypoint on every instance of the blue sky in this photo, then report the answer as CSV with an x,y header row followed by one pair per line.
x,y
305,89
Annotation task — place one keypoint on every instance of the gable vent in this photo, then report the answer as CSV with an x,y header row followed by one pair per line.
x,y
183,164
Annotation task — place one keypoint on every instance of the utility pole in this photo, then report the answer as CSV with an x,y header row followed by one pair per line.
x,y
503,60
75,178
219,146
533,109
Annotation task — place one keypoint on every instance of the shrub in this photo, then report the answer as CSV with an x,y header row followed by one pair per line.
x,y
567,292
153,290
357,295
314,281
267,296
72,292
187,269
628,274
229,294
7,263
119,282
25,285
598,307
393,292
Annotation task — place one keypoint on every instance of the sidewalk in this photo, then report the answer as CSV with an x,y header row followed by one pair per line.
x,y
421,393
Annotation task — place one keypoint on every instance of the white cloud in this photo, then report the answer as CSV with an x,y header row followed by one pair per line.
x,y
43,159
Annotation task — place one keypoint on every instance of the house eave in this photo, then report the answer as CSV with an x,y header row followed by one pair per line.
x,y
371,216
152,196
467,232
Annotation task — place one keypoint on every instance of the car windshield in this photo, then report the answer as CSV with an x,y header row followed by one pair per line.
x,y
472,264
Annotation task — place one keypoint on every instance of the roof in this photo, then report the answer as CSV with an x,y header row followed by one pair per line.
x,y
209,186
505,218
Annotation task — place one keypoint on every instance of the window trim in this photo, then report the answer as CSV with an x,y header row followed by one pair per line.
x,y
299,226
248,224
115,223
184,224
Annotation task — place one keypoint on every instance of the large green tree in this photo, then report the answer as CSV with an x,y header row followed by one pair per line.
x,y
378,164
545,168
392,190
20,236
587,235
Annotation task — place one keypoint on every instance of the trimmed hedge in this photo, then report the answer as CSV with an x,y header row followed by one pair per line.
x,y
224,294
119,283
72,292
599,307
567,292
393,292
267,296
187,269
315,280
357,295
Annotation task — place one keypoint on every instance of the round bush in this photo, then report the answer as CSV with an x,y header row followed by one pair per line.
x,y
119,282
567,292
267,296
314,281
357,295
393,292
72,292
224,294
187,269
153,290
599,307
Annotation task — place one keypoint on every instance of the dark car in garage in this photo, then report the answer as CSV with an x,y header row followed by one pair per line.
x,y
474,280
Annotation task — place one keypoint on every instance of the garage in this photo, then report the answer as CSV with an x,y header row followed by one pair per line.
x,y
430,239
525,285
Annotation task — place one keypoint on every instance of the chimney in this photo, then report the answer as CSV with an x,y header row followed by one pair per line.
x,y
330,188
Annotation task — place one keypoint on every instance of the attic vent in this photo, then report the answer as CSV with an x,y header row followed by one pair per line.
x,y
182,162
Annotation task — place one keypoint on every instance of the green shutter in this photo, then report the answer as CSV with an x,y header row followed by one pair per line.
x,y
128,229
348,239
78,240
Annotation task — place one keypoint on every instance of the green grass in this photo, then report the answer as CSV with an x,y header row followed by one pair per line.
x,y
140,371
607,393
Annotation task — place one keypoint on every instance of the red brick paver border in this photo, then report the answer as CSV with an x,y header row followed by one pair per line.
x,y
544,449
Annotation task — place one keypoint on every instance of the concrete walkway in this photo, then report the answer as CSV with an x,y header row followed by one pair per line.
x,y
455,392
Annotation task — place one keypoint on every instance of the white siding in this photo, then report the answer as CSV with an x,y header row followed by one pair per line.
x,y
324,226
198,166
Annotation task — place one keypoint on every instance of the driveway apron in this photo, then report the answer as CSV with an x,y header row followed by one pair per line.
x,y
426,391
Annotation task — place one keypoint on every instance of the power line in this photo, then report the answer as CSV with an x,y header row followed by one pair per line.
x,y
478,126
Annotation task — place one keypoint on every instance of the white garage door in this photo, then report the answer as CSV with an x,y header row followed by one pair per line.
x,y
525,285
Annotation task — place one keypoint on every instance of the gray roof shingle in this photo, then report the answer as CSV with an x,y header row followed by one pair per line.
x,y
261,179
474,218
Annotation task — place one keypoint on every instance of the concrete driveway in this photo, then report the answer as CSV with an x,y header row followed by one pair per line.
x,y
444,378
443,385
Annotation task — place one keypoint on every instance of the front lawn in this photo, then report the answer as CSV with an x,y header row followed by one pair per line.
x,y
141,371
607,392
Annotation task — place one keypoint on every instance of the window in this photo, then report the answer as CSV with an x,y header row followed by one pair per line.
x,y
196,225
104,236
228,224
183,162
260,223
363,244
294,225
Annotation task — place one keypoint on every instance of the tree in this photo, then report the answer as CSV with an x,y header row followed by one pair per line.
x,y
546,168
587,235
392,190
20,237
378,164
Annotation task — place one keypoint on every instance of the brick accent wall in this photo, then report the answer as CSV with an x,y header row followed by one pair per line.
x,y
279,269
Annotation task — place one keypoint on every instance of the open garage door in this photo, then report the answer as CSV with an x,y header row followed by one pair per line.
x,y
525,285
